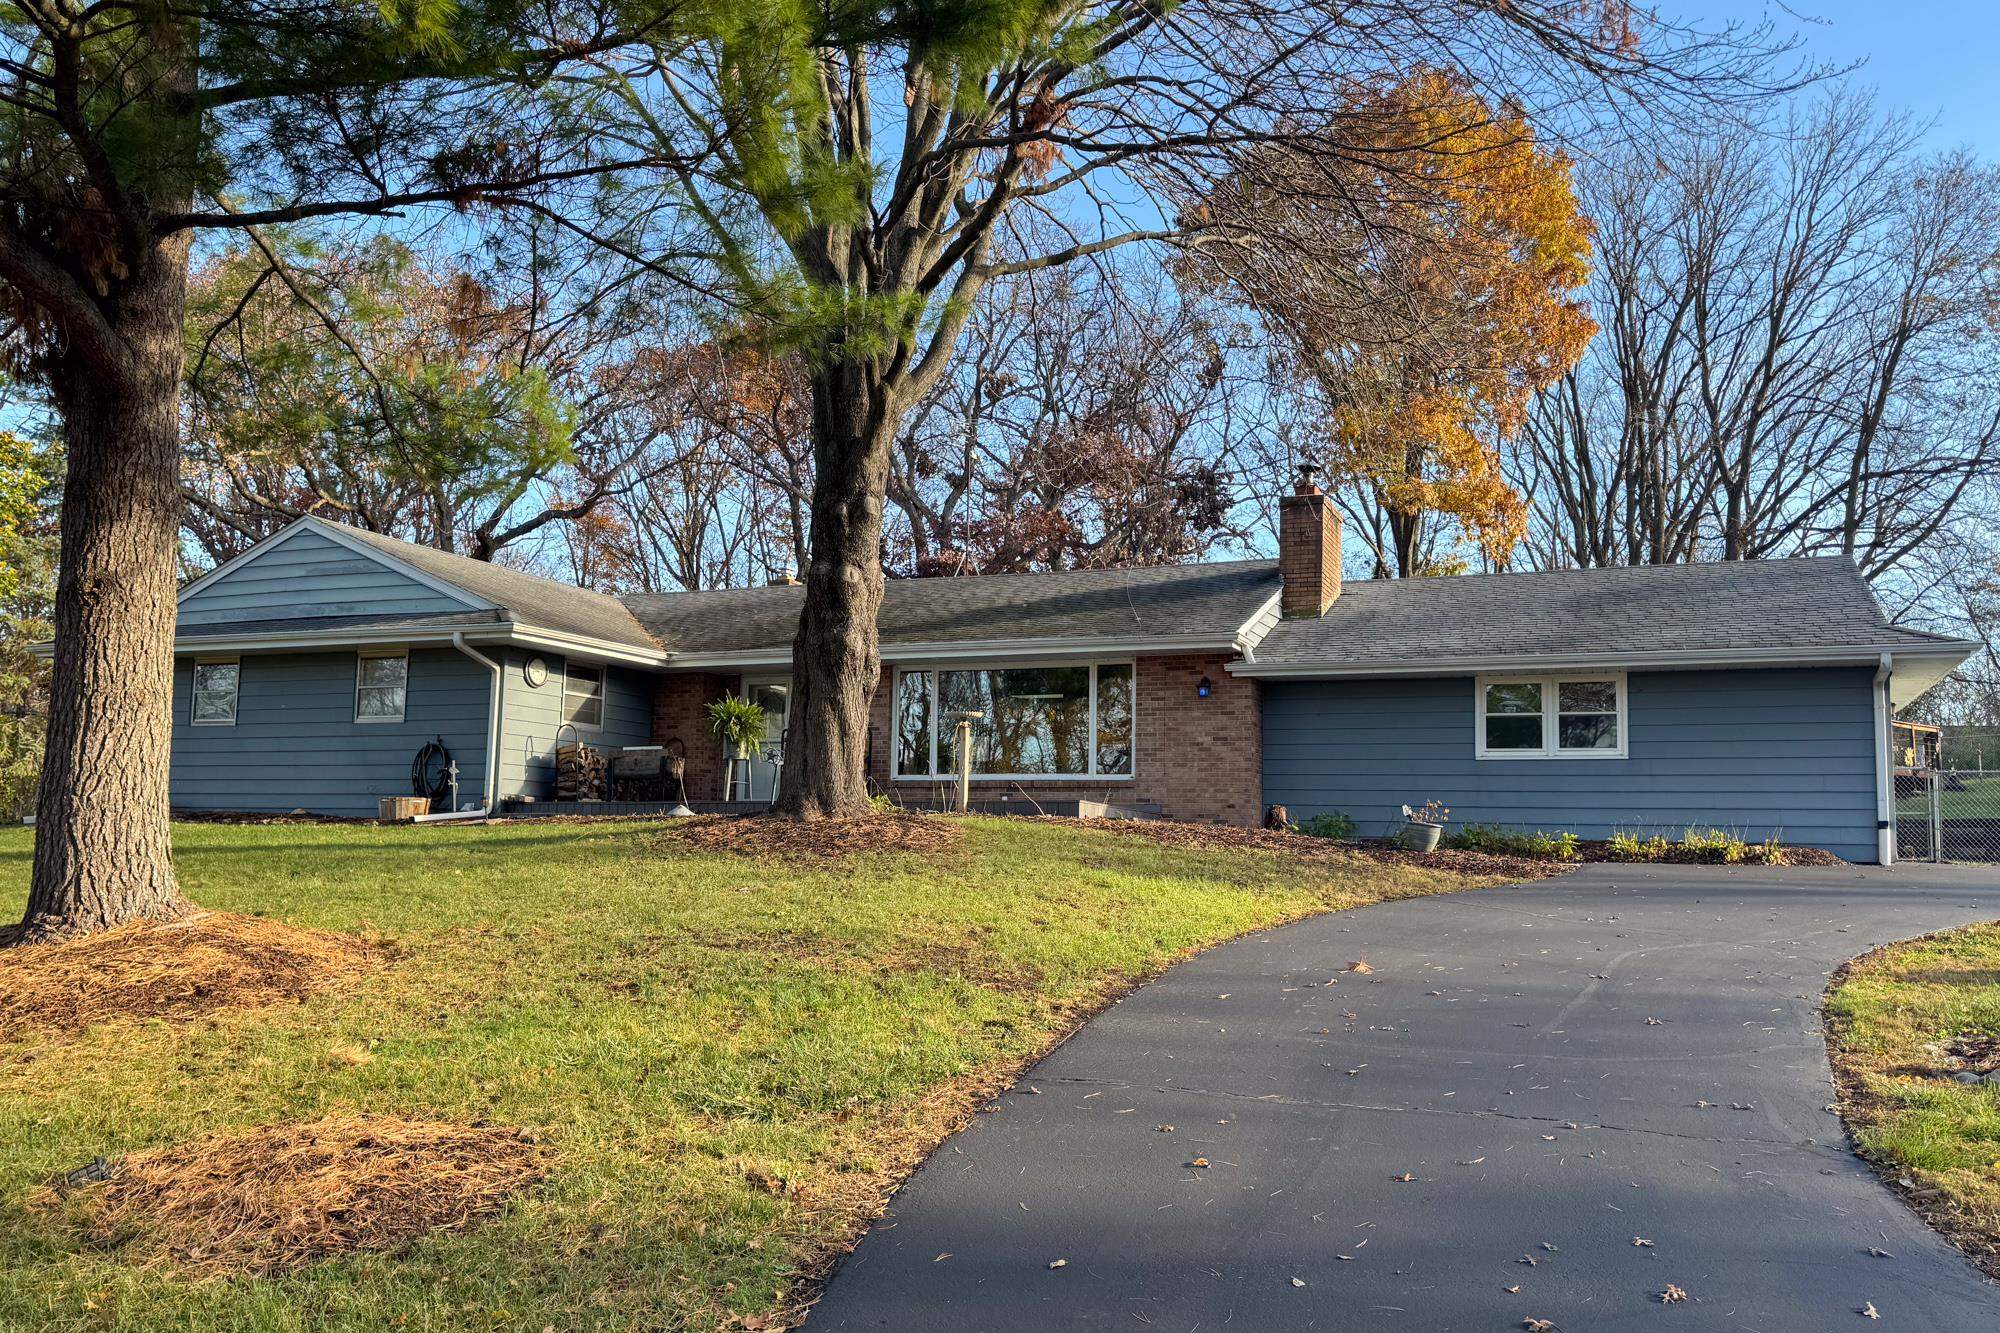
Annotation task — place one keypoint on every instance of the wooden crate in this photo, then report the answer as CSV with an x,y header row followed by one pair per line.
x,y
402,809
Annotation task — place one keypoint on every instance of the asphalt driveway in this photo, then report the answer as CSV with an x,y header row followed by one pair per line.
x,y
1539,1073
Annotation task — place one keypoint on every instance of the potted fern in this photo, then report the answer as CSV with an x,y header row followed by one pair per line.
x,y
739,724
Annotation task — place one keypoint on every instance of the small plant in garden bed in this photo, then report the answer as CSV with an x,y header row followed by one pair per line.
x,y
1336,824
1512,842
1709,846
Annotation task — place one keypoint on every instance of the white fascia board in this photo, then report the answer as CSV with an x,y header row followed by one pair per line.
x,y
975,651
1948,651
1252,631
526,636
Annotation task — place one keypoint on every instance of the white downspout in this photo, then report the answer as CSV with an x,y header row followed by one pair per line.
x,y
490,796
1885,778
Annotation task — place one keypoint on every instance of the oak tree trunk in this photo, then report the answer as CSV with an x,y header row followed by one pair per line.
x,y
101,845
836,659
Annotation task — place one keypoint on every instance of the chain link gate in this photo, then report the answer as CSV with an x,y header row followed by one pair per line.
x,y
1947,793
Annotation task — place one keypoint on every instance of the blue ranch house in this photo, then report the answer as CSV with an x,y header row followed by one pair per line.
x,y
312,670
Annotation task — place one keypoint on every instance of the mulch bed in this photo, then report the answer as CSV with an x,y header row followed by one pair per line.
x,y
816,839
172,969
261,817
1228,837
274,1198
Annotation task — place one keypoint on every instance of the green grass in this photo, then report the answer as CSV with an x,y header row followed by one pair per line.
x,y
1892,1013
684,1027
1980,799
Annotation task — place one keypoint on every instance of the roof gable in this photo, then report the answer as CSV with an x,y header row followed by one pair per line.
x,y
306,573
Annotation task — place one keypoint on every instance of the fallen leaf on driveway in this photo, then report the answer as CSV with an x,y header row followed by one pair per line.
x,y
1528,1259
1199,1164
1868,1311
1058,1263
1163,1129
1654,1022
1672,1294
1512,1291
1298,1282
1879,1254
1641,1240
1358,966
1403,1179
942,1257
1534,1325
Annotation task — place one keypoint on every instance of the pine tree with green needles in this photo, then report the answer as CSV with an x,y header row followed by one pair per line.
x,y
130,128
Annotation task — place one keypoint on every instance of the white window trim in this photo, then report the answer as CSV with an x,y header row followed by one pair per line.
x,y
194,694
1551,700
370,654
932,670
603,694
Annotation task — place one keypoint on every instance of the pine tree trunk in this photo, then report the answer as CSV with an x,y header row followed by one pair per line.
x,y
835,657
101,837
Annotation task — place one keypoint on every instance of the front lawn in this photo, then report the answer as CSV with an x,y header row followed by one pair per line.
x,y
729,1058
1910,1027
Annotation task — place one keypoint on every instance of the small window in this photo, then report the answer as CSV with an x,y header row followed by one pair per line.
x,y
1552,717
583,695
215,687
381,687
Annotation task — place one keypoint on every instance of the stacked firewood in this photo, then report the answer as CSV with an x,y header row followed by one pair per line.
x,y
580,773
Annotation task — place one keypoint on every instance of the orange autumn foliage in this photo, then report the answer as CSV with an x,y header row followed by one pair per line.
x,y
1500,248
1429,289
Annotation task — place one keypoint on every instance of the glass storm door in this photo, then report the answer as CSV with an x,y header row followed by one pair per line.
x,y
774,695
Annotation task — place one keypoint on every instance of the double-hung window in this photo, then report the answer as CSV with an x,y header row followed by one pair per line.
x,y
1551,717
381,686
583,696
216,683
1068,721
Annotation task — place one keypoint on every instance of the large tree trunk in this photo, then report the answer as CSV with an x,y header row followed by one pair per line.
x,y
835,657
101,844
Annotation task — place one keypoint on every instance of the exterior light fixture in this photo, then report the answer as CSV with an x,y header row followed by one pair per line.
x,y
1203,688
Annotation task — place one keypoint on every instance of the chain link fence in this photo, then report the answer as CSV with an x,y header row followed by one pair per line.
x,y
1948,795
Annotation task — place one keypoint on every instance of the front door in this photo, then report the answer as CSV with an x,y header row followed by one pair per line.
x,y
774,695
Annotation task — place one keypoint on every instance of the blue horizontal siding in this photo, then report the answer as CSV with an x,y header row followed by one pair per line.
x,y
311,575
296,745
530,717
1785,752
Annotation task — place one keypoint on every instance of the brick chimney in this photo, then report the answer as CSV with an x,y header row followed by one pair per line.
x,y
1308,548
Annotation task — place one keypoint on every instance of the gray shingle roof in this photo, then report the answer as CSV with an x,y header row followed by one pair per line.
x,y
529,598
1651,609
1208,603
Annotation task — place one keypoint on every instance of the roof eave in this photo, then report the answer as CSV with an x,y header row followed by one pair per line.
x,y
980,650
1825,655
507,632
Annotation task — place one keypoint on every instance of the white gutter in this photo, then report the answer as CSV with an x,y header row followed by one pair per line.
x,y
983,650
1885,778
491,793
1854,654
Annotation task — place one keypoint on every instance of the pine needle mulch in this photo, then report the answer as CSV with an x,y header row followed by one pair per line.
x,y
764,835
172,970
269,1199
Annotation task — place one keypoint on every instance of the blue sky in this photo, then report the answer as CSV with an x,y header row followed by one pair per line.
x,y
1936,58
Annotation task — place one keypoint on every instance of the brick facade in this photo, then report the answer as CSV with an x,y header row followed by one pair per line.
x,y
680,712
1198,759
